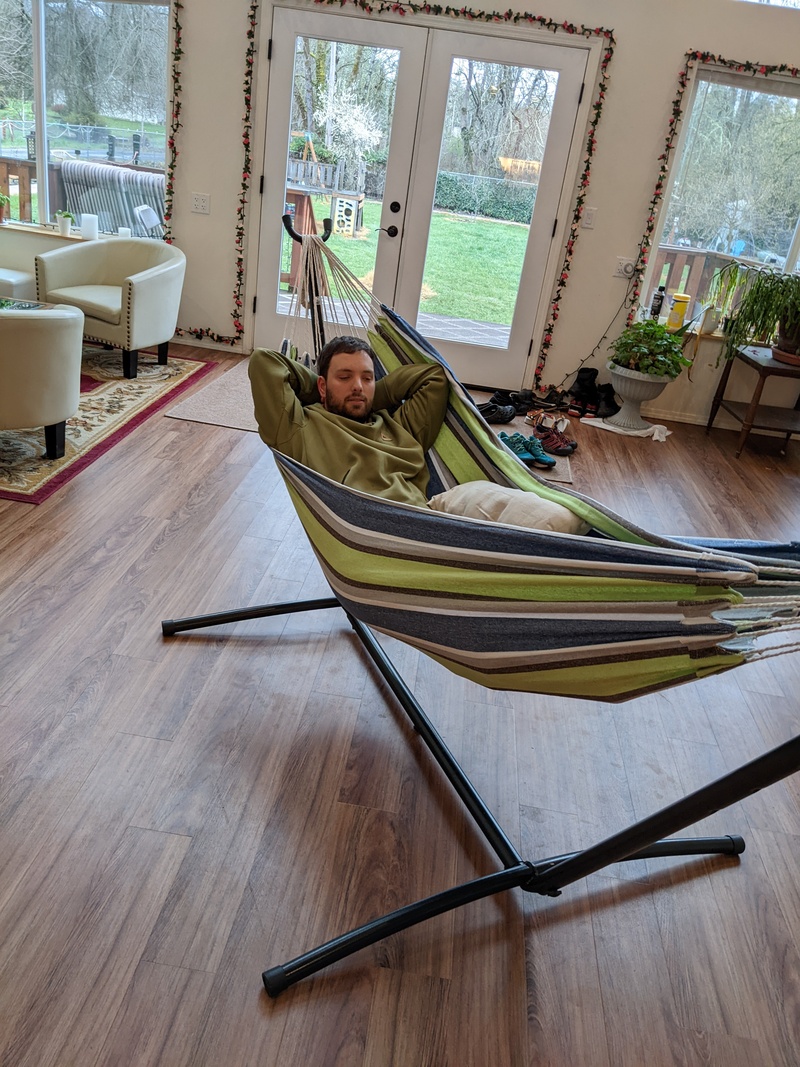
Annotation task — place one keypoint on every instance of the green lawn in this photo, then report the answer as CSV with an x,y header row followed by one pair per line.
x,y
472,268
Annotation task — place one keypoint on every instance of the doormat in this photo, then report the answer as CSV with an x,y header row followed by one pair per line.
x,y
225,401
111,407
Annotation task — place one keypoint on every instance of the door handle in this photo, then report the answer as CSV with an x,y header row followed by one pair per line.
x,y
391,230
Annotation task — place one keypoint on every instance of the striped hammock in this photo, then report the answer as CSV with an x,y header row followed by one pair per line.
x,y
609,615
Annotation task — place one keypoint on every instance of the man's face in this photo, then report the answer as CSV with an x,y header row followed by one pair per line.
x,y
349,386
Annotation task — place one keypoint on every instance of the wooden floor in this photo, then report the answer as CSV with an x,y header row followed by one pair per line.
x,y
176,815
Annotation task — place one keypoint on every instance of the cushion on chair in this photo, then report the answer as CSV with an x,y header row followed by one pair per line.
x,y
40,366
102,302
17,283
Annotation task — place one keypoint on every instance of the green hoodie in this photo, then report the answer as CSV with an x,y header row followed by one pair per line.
x,y
384,457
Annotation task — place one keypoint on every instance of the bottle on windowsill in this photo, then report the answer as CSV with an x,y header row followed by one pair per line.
x,y
657,301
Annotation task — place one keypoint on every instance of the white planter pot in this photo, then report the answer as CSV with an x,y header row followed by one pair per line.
x,y
633,388
64,225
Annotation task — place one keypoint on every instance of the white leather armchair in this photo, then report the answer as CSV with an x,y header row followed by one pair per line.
x,y
40,371
129,291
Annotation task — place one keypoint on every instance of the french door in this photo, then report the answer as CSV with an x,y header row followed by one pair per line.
x,y
440,157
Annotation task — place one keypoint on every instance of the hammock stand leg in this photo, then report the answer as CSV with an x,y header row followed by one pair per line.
x,y
547,877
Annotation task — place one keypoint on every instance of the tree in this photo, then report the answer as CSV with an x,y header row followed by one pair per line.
x,y
737,188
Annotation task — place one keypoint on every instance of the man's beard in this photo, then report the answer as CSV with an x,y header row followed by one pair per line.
x,y
342,408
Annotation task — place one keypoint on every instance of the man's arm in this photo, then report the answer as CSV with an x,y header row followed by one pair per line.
x,y
281,388
416,397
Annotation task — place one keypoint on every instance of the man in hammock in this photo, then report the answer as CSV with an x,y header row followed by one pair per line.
x,y
373,435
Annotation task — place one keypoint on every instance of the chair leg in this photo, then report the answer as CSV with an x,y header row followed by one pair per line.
x,y
55,440
130,362
163,351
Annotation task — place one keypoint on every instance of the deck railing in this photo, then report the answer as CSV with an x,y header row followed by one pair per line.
x,y
687,270
110,191
21,173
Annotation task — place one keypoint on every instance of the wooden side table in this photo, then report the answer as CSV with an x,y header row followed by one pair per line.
x,y
752,416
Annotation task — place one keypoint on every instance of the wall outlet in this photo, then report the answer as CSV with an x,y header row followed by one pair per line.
x,y
201,203
625,267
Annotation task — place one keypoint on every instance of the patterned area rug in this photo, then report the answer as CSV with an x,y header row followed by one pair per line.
x,y
110,408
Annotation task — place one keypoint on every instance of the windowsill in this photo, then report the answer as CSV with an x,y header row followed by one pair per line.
x,y
51,231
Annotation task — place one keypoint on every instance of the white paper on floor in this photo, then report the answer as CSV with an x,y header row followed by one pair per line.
x,y
658,433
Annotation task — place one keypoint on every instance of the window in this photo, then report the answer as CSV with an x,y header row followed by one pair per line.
x,y
97,71
735,190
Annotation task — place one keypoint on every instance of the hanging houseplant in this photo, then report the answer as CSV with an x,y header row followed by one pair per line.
x,y
765,308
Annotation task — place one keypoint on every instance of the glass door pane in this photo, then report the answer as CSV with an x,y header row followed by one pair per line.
x,y
497,136
341,118
495,131
343,98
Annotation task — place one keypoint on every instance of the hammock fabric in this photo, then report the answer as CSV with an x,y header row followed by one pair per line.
x,y
606,616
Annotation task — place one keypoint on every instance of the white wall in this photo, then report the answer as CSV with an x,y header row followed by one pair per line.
x,y
652,39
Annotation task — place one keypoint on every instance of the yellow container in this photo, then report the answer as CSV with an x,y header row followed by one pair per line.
x,y
677,313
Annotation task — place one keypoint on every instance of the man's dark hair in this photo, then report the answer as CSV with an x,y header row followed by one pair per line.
x,y
341,344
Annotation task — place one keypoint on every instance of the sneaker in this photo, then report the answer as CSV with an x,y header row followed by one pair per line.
x,y
540,456
554,443
533,455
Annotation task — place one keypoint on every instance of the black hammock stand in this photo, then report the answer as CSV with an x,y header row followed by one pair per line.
x,y
644,839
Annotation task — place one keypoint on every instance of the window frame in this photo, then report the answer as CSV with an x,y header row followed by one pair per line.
x,y
39,78
774,84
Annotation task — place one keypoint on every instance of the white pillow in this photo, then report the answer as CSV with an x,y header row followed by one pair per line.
x,y
513,507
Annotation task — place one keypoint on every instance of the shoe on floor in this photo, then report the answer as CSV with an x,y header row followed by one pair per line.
x,y
532,454
520,400
607,404
539,453
553,400
497,413
550,429
553,442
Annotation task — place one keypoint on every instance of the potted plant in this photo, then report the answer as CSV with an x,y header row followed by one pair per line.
x,y
644,359
765,308
64,221
4,205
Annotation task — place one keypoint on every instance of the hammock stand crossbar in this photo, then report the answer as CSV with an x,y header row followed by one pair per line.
x,y
547,877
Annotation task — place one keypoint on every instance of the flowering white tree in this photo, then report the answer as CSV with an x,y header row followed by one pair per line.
x,y
353,129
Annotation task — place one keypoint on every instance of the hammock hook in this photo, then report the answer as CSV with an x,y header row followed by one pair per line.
x,y
327,227
315,288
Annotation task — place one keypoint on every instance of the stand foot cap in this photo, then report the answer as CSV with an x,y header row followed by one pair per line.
x,y
275,980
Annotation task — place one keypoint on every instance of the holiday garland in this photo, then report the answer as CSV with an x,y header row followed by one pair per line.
x,y
382,7
692,58
175,118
